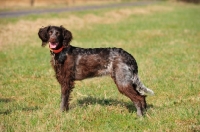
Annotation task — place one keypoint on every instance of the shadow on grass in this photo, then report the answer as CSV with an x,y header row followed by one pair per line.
x,y
5,100
9,111
32,108
107,102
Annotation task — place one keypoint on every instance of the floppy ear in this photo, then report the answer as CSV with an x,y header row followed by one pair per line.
x,y
43,35
67,36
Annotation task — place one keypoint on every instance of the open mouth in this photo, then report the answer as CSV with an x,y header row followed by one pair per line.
x,y
53,45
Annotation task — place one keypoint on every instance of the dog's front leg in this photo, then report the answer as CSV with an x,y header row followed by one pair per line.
x,y
65,92
64,105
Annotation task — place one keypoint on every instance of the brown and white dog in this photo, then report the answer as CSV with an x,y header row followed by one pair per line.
x,y
73,63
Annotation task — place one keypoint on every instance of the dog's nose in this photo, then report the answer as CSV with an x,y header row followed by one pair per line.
x,y
52,39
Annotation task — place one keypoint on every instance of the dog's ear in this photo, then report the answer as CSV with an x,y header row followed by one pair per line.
x,y
43,35
67,36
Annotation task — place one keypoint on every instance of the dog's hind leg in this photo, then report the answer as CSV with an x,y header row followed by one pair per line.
x,y
123,79
138,100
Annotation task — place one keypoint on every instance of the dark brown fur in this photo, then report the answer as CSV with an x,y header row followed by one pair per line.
x,y
73,63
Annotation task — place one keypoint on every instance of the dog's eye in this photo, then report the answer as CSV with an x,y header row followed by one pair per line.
x,y
57,33
50,32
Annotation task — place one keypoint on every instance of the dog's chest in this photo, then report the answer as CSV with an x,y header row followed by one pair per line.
x,y
58,58
56,62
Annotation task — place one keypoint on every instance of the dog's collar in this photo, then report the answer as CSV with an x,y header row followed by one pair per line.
x,y
56,51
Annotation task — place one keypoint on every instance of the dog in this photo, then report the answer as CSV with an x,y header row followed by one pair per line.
x,y
74,63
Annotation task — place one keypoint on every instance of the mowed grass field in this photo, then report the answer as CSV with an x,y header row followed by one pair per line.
x,y
164,39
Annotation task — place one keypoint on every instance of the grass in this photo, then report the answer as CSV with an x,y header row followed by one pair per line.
x,y
163,38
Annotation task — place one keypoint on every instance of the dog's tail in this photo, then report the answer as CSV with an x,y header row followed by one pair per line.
x,y
143,90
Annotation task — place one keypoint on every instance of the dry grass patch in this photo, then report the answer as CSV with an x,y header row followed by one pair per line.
x,y
25,29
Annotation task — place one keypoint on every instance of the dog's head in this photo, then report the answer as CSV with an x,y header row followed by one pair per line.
x,y
56,37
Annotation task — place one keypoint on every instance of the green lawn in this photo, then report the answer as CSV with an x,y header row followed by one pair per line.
x,y
164,39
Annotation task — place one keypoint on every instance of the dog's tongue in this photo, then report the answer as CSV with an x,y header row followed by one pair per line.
x,y
52,45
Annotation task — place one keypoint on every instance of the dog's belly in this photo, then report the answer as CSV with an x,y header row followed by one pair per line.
x,y
80,75
87,72
92,66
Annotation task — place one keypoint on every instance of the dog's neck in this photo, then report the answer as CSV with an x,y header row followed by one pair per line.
x,y
56,51
60,55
